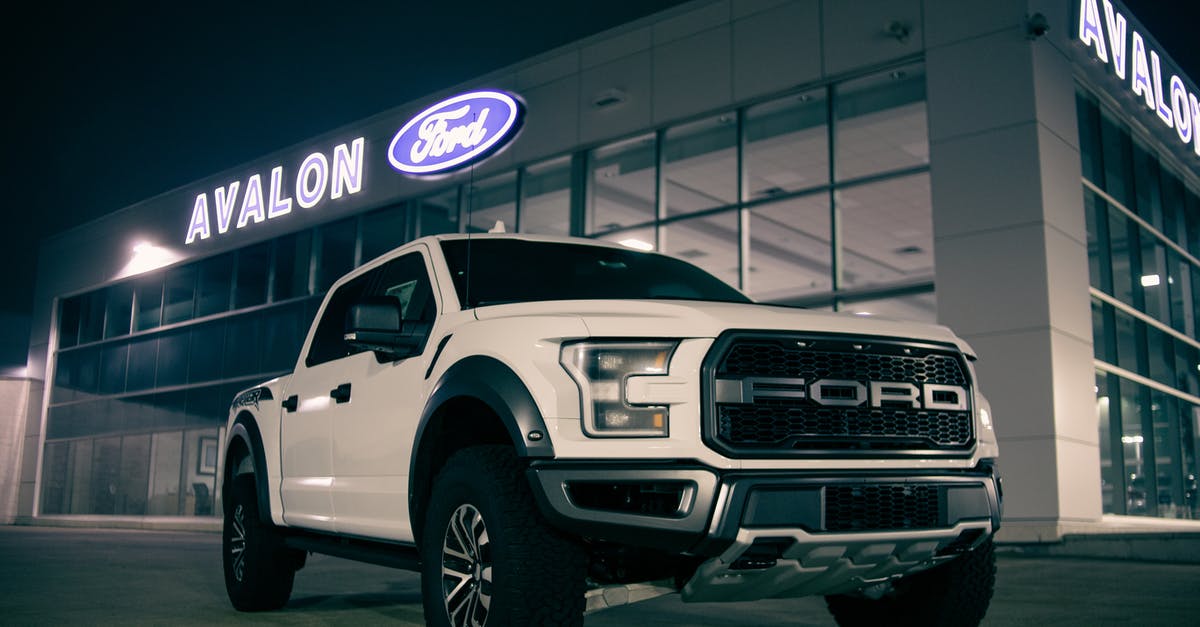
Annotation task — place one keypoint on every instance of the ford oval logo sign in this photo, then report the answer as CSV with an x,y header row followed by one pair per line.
x,y
456,132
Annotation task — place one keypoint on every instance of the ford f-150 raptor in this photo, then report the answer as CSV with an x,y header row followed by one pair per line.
x,y
522,418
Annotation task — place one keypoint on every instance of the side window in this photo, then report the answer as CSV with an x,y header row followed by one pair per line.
x,y
404,278
407,280
328,343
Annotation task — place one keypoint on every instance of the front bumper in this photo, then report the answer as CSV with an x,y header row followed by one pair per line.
x,y
769,534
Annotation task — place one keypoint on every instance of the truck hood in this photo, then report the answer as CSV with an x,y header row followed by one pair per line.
x,y
686,319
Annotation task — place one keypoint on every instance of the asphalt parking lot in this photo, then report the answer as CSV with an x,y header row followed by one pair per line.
x,y
82,576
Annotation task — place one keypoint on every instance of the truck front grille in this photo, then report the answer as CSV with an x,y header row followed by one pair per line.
x,y
885,506
798,427
784,394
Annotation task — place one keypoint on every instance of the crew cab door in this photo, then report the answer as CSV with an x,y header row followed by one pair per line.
x,y
318,396
373,435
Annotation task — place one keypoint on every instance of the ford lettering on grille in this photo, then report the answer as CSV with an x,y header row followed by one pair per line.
x,y
843,392
789,394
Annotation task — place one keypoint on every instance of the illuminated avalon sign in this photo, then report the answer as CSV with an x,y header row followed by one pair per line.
x,y
456,132
1110,38
251,204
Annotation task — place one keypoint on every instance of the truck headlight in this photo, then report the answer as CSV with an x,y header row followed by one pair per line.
x,y
602,369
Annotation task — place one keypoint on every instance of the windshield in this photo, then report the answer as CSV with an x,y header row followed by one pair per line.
x,y
516,271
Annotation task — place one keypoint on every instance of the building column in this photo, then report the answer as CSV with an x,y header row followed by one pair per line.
x,y
18,398
1011,249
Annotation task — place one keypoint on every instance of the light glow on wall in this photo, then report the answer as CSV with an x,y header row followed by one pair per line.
x,y
147,257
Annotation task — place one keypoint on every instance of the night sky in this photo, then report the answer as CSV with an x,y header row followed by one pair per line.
x,y
118,102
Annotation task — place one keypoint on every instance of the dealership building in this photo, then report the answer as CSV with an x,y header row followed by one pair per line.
x,y
1024,172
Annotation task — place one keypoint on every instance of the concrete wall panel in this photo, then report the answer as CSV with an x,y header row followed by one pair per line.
x,y
776,49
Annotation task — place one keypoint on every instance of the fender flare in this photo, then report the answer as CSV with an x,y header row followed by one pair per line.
x,y
491,382
246,429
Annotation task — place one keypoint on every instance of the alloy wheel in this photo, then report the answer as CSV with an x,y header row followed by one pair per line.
x,y
466,568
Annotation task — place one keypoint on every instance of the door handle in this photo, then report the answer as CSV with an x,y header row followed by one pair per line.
x,y
341,393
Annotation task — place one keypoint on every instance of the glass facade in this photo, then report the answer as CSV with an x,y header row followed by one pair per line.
x,y
1143,231
817,199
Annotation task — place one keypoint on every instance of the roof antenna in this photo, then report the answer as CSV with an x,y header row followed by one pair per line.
x,y
470,210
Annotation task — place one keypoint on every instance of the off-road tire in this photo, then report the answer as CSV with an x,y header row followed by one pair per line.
x,y
955,594
259,569
525,571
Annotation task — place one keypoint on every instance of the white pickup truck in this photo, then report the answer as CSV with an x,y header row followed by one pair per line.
x,y
525,418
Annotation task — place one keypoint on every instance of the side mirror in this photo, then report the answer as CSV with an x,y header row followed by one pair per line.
x,y
374,324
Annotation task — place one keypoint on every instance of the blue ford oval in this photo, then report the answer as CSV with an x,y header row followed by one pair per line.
x,y
456,132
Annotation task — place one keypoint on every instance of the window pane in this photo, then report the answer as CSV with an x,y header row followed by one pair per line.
x,y
1089,138
173,358
1177,289
710,242
622,179
918,307
119,310
1153,280
253,266
55,494
1189,427
241,347
1133,445
1191,219
284,335
1187,368
199,482
546,198
1159,351
1172,205
701,164
292,257
68,322
1118,160
1127,354
148,293
1110,474
180,290
1090,207
1120,237
166,451
383,230
212,292
790,251
887,231
881,123
76,375
135,467
787,145
143,355
106,475
113,361
438,213
1100,346
337,251
492,200
91,326
1148,205
1164,413
207,347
